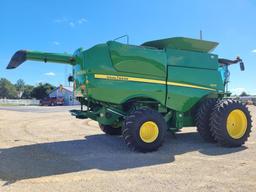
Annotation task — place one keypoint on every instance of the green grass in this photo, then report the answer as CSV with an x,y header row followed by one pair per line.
x,y
8,104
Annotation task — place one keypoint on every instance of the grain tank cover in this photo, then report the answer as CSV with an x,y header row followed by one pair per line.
x,y
183,43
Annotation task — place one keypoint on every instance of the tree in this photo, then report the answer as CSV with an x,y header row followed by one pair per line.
x,y
42,90
27,92
244,94
7,89
20,85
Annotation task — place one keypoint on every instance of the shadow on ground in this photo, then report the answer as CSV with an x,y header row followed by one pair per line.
x,y
95,152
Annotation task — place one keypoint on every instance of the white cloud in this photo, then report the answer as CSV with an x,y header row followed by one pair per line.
x,y
72,24
56,43
254,51
50,74
81,21
69,22
61,20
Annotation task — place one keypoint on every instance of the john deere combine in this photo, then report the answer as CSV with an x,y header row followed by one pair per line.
x,y
142,91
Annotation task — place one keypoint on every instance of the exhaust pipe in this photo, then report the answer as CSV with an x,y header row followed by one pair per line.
x,y
23,55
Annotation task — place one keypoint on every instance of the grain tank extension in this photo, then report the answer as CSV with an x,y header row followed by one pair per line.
x,y
142,91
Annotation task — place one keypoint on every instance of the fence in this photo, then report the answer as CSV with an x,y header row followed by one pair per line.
x,y
19,101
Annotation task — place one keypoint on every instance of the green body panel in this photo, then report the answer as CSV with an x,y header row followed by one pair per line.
x,y
170,76
192,68
79,73
114,91
118,92
138,60
191,59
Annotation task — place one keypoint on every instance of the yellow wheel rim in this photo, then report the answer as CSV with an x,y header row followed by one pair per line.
x,y
149,132
236,124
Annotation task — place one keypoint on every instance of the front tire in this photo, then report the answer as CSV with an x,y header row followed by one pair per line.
x,y
231,123
144,130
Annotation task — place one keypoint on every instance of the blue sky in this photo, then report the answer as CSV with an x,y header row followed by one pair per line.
x,y
63,26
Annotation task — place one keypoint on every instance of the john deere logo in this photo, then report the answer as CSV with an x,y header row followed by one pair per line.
x,y
117,78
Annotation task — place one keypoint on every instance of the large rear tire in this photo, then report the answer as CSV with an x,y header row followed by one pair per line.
x,y
202,119
144,130
109,130
231,123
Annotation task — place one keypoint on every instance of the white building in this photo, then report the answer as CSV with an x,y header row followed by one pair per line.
x,y
66,93
248,99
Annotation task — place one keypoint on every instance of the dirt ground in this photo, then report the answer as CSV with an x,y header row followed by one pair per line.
x,y
49,150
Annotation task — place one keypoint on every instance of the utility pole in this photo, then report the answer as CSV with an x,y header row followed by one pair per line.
x,y
65,75
201,35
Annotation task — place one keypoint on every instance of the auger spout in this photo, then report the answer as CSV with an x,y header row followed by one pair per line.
x,y
23,55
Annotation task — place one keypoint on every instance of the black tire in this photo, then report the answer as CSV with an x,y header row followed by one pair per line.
x,y
219,119
202,119
108,129
132,126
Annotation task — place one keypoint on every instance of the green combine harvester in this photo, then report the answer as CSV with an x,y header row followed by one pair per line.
x,y
143,91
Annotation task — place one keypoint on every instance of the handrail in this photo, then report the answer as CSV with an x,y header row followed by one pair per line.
x,y
127,38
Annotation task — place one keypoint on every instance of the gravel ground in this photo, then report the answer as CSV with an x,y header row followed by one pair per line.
x,y
46,149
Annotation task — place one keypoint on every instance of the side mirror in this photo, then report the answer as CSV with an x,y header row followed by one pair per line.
x,y
242,66
238,59
70,78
